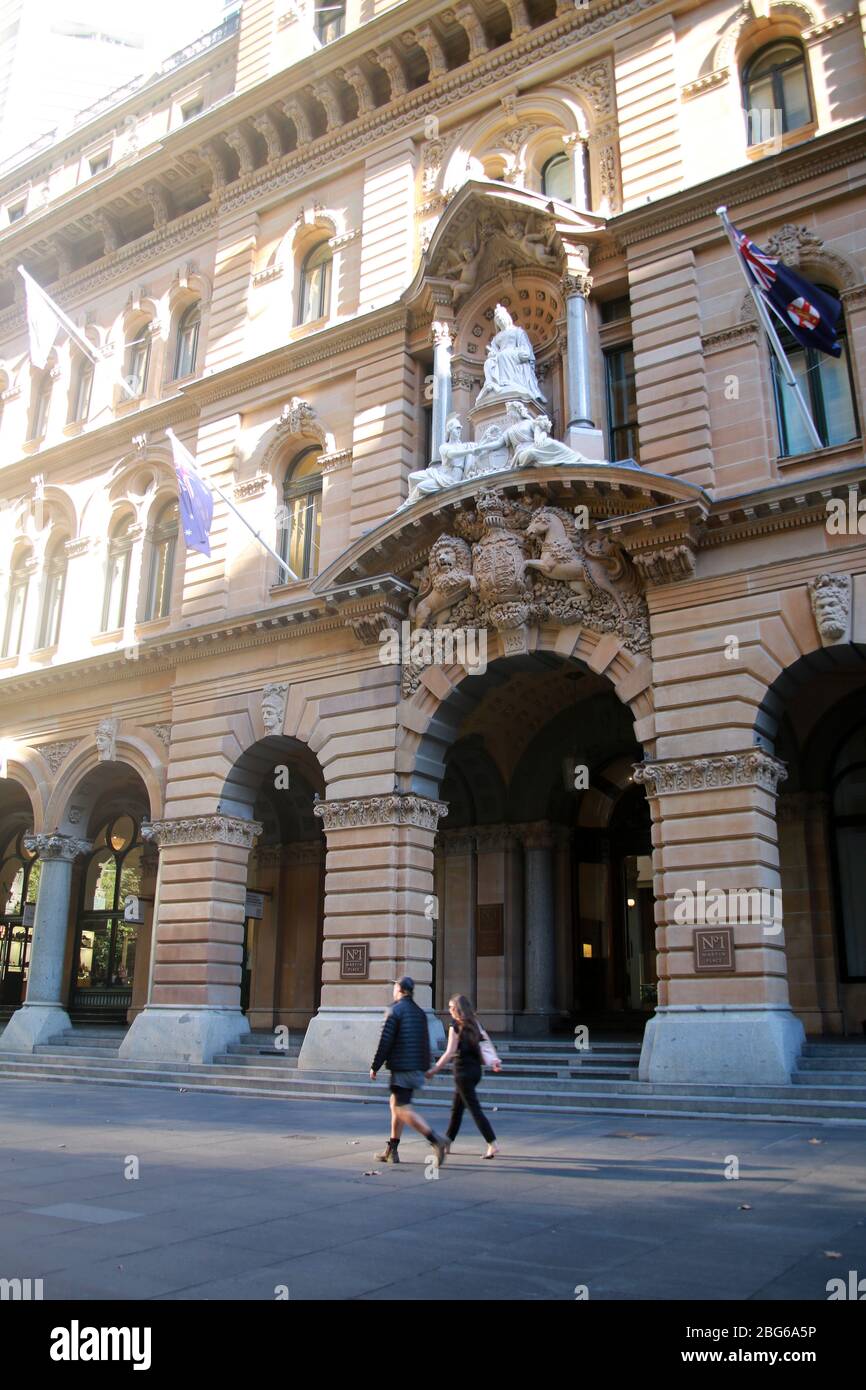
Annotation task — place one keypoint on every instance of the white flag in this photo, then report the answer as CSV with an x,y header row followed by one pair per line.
x,y
44,318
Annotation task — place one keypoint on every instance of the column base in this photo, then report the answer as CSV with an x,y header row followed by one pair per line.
x,y
166,1033
731,1044
345,1039
33,1024
538,1023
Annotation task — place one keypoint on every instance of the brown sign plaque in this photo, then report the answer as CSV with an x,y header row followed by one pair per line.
x,y
714,949
354,959
490,930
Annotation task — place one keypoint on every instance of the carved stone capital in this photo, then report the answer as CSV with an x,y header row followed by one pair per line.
x,y
535,835
202,830
668,565
489,838
398,808
455,843
754,768
56,846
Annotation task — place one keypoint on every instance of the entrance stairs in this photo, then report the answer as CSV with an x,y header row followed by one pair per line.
x,y
541,1076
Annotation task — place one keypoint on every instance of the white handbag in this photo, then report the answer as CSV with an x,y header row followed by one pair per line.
x,y
488,1052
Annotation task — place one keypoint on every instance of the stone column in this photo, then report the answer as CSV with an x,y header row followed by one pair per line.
x,y
456,960
714,850
441,386
194,1005
540,925
581,433
576,146
378,880
43,1014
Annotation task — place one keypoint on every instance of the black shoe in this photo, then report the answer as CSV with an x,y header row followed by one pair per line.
x,y
390,1153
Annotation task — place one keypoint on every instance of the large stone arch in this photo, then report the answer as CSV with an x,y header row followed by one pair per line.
x,y
75,797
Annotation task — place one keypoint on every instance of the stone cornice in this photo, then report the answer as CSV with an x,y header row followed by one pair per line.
x,y
199,830
399,808
755,768
56,846
838,149
729,337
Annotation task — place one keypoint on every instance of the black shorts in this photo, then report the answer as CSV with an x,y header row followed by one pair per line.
x,y
404,1083
402,1094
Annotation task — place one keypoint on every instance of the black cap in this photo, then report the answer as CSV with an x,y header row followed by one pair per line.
x,y
407,984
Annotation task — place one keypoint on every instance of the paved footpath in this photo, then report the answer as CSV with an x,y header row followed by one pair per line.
x,y
238,1198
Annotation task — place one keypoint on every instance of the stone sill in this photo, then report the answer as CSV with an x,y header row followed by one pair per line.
x,y
822,460
775,146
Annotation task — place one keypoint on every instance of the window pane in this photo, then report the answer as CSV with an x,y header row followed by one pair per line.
x,y
15,617
794,437
556,178
115,604
795,97
83,388
52,607
304,526
163,571
835,385
137,356
621,403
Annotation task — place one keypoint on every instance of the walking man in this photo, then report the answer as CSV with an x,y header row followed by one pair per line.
x,y
405,1048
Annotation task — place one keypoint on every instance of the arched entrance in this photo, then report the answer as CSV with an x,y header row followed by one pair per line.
x,y
19,883
275,783
813,719
543,870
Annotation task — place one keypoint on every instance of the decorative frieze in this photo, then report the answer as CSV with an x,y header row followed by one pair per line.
x,y
340,458
707,83
398,808
753,768
252,487
202,830
56,846
669,565
730,337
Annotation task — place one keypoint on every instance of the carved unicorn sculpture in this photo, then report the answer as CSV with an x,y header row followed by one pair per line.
x,y
558,559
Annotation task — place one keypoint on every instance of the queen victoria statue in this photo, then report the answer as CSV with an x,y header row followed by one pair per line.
x,y
510,363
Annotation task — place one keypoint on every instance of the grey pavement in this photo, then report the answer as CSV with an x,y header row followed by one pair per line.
x,y
252,1199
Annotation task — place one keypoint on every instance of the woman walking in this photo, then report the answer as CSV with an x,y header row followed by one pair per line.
x,y
465,1037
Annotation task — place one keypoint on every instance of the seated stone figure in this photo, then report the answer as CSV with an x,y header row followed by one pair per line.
x,y
529,441
455,458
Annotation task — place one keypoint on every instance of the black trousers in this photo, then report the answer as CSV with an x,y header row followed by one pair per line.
x,y
465,1081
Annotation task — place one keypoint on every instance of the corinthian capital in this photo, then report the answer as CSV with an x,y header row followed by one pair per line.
x,y
56,846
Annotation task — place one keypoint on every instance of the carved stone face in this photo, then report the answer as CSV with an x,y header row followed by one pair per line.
x,y
272,713
454,430
829,604
501,318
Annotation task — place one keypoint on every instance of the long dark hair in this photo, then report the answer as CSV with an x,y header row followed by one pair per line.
x,y
469,1025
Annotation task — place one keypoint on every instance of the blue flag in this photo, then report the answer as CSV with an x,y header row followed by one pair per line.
x,y
811,315
195,498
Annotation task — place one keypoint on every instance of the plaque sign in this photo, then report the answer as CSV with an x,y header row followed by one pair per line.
x,y
354,960
714,949
490,930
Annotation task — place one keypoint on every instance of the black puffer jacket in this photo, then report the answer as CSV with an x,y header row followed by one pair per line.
x,y
404,1044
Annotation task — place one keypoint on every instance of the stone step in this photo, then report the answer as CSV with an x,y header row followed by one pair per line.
x,y
827,1064
698,1105
830,1048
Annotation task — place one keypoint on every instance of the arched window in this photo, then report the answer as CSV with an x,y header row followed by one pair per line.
x,y
557,178
19,883
104,966
849,837
53,586
41,403
163,549
117,575
775,80
301,515
330,20
136,359
82,386
827,387
315,289
187,341
16,603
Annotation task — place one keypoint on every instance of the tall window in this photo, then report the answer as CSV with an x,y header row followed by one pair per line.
x,y
315,283
330,19
82,387
621,402
162,562
775,80
301,518
117,576
136,360
827,387
104,967
187,341
53,586
849,826
41,404
16,604
556,178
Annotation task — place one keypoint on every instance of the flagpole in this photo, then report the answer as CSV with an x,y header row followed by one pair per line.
x,y
218,490
769,329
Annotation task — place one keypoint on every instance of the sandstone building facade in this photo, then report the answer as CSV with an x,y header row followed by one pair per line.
x,y
294,253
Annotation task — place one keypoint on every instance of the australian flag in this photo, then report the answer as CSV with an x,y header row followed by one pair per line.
x,y
811,315
195,498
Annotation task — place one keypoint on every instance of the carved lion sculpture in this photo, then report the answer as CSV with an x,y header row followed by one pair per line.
x,y
449,579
